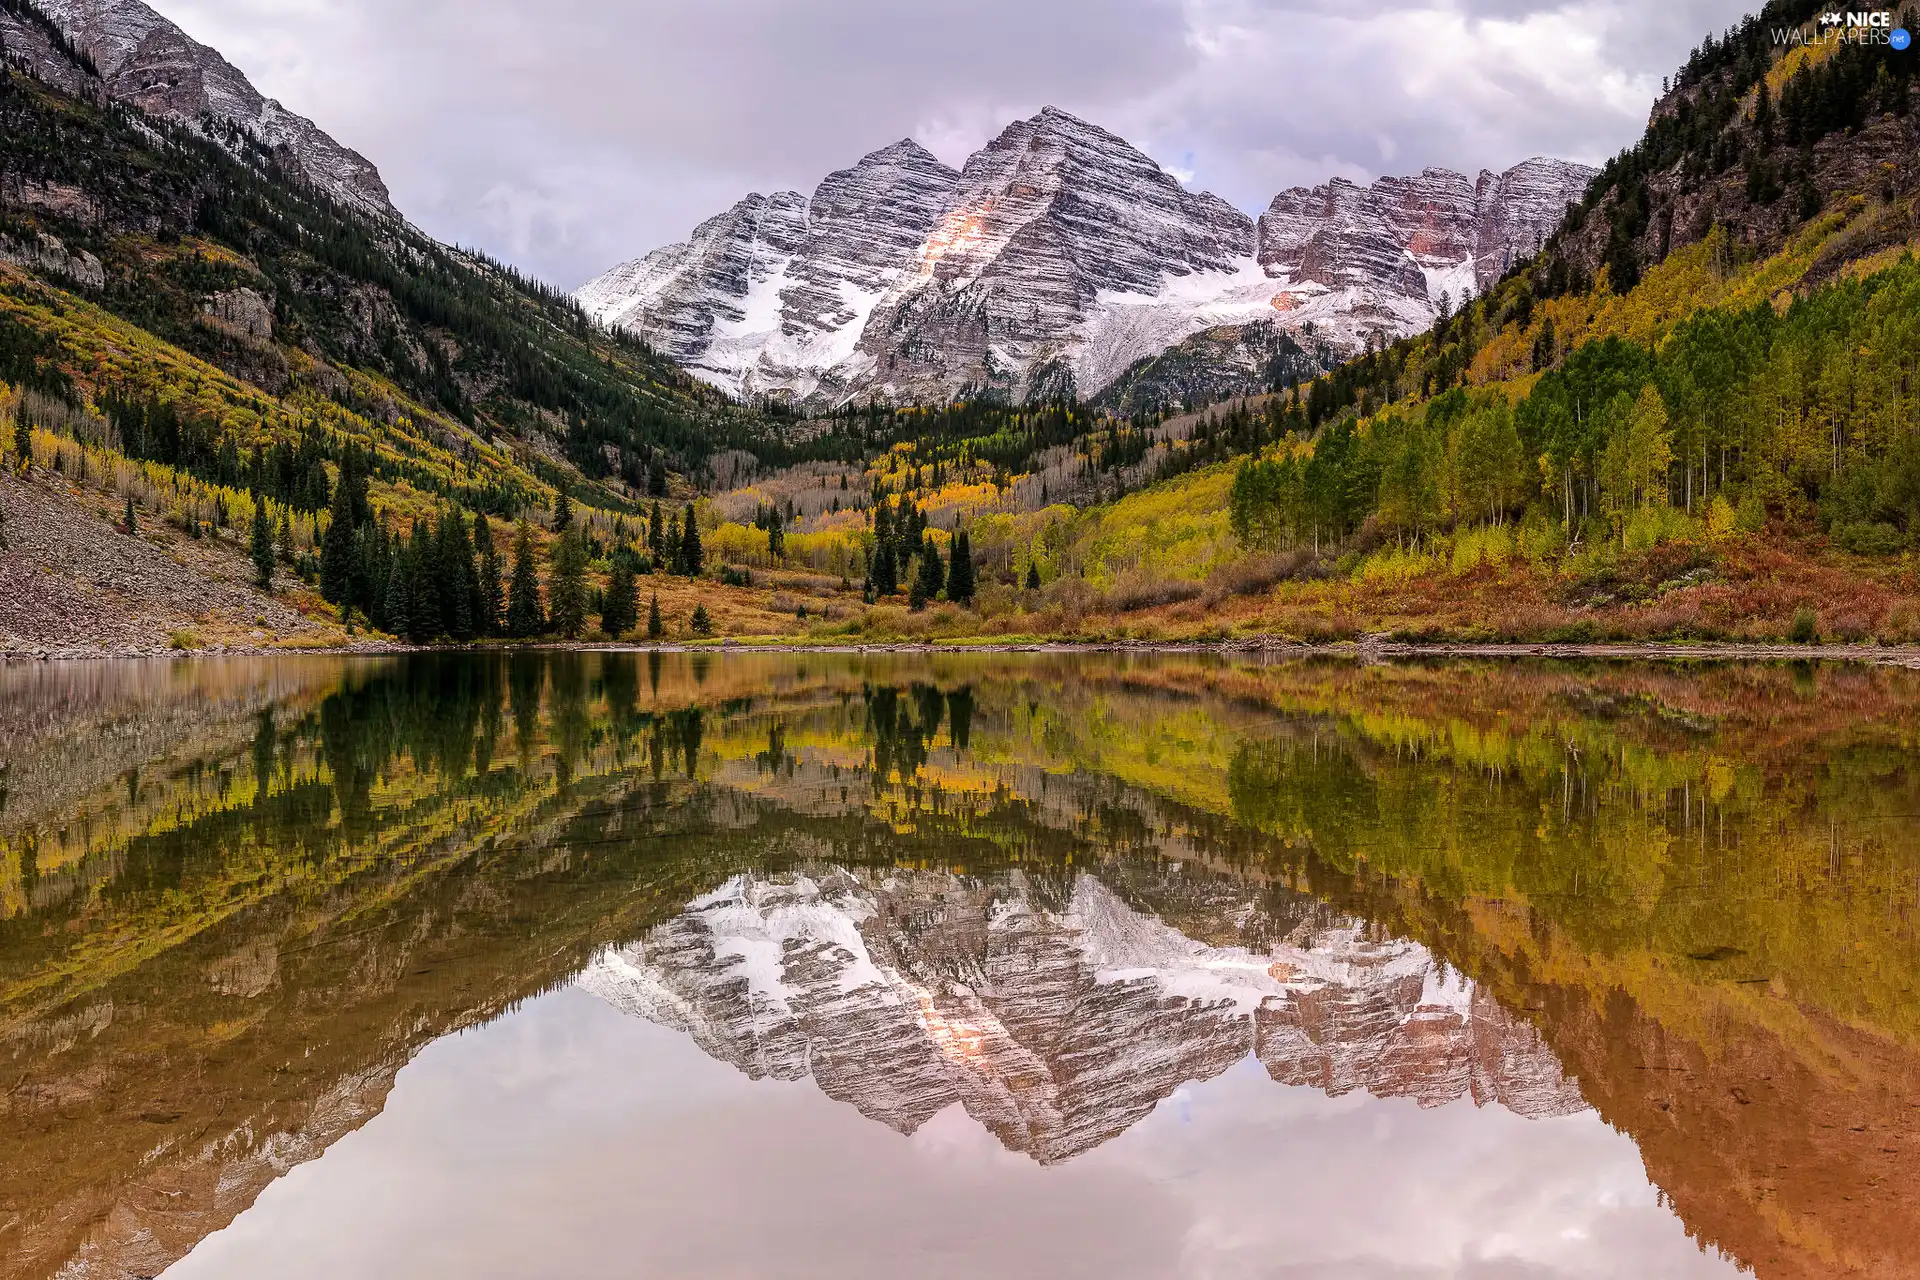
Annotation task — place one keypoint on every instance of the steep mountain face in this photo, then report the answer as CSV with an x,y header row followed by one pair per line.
x,y
775,291
470,381
1059,257
1377,259
147,61
1516,211
1066,250
1215,365
689,298
1056,1017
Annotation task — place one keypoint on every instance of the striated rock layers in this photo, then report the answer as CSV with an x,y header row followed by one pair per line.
x,y
778,289
146,60
1057,1020
1058,257
1401,243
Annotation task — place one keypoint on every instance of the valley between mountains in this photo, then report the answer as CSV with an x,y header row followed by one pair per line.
x,y
1052,393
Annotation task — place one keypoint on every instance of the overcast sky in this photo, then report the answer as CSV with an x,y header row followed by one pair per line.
x,y
568,135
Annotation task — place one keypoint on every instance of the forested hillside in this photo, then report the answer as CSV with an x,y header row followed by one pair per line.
x,y
201,347
214,250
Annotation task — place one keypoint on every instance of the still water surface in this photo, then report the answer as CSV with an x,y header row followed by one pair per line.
x,y
864,966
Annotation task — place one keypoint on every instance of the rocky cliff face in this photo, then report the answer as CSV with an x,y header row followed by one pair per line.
x,y
146,60
1057,1016
1059,257
774,292
1065,251
1377,259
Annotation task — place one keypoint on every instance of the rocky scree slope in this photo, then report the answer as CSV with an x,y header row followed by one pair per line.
x,y
1057,258
72,586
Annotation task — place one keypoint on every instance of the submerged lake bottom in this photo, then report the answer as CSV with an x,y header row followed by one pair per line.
x,y
1156,965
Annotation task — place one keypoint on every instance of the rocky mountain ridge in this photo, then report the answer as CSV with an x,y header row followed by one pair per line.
x,y
1058,256
147,61
1057,1016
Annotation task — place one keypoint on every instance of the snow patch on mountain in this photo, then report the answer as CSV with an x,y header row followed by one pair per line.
x,y
771,296
1057,247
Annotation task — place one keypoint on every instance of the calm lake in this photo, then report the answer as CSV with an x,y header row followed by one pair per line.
x,y
1050,965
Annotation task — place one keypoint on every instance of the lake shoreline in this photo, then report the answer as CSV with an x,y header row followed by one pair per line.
x,y
1364,650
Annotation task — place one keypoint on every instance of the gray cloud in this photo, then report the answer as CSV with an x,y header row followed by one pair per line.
x,y
567,135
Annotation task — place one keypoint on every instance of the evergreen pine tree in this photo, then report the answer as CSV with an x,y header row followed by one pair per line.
x,y
23,439
395,608
691,555
336,548
562,512
129,525
655,627
657,539
1033,575
931,576
524,616
620,611
567,585
262,546
378,558
960,571
885,572
491,599
457,575
425,617
702,622
360,572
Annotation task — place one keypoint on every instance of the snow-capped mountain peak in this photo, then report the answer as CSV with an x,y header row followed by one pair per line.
x,y
775,292
1059,254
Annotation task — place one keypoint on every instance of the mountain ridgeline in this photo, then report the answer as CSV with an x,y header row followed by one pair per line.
x,y
1058,258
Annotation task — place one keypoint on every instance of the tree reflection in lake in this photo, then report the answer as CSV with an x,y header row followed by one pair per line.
x,y
1046,894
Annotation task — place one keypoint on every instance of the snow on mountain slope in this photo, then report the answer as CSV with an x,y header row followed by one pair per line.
x,y
773,293
1403,241
148,61
1051,215
712,303
1056,1024
1058,252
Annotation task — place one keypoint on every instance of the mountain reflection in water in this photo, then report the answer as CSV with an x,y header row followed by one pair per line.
x,y
1055,1013
1581,919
